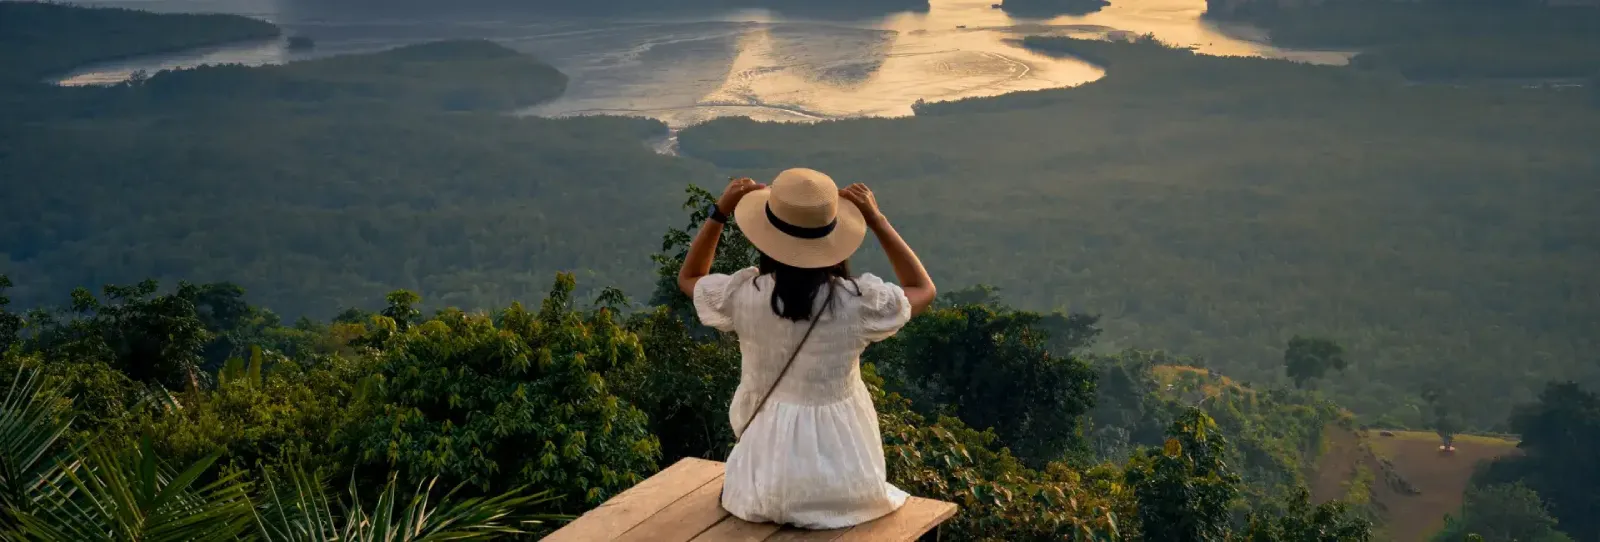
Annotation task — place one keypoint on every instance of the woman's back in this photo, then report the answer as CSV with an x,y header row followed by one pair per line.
x,y
808,453
827,370
812,456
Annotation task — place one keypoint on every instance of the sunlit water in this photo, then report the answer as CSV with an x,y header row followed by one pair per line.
x,y
687,68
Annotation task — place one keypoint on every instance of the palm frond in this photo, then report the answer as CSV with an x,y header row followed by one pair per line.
x,y
32,424
299,510
118,495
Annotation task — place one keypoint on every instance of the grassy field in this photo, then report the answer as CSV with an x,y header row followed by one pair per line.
x,y
1439,479
1212,386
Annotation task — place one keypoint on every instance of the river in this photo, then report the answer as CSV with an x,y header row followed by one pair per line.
x,y
685,68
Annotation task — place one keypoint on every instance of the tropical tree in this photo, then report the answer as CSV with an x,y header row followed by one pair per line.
x,y
1560,435
1501,513
1000,498
1185,488
10,324
686,387
1309,358
269,411
523,398
1299,521
993,368
153,339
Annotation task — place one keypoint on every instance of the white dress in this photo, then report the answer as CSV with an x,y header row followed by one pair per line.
x,y
813,458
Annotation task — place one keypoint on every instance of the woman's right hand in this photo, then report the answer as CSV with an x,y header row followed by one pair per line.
x,y
735,191
862,197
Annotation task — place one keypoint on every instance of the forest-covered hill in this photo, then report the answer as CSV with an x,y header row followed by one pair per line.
x,y
43,38
1440,234
1437,40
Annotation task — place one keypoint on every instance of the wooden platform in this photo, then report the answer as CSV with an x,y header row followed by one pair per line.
x,y
682,504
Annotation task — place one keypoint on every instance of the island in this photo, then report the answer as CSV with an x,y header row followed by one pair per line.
x,y
1051,8
106,34
846,8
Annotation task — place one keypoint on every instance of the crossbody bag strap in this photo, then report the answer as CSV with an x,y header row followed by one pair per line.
x,y
792,355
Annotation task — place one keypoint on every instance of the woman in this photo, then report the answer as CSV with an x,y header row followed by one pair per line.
x,y
808,452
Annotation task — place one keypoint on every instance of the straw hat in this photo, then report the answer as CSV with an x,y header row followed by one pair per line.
x,y
799,220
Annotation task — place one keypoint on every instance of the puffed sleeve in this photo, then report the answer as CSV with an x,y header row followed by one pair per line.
x,y
884,307
713,297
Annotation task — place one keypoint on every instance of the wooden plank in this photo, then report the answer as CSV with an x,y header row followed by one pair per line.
x,y
682,520
733,529
916,518
790,534
638,503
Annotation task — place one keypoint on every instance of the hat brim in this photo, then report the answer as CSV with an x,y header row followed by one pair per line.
x,y
825,251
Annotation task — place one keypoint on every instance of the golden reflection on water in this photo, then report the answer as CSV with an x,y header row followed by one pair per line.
x,y
900,62
788,69
772,66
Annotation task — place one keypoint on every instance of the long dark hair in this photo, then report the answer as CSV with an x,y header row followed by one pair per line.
x,y
794,288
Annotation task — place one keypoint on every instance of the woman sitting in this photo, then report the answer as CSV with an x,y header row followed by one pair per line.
x,y
809,453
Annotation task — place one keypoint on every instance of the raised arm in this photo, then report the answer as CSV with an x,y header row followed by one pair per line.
x,y
908,269
703,250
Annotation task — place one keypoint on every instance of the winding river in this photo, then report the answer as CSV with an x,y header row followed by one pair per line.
x,y
685,68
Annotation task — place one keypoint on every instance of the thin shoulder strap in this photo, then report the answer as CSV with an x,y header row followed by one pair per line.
x,y
792,355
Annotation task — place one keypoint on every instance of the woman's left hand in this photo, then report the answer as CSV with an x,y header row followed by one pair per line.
x,y
736,191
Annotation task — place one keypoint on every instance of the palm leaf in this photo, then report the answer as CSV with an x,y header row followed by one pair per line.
x,y
119,495
32,425
299,510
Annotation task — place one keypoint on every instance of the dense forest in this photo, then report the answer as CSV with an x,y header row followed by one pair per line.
x,y
1325,237
578,400
1267,199
1324,208
1437,39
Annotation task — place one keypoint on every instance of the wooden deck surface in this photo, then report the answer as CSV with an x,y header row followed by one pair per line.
x,y
681,504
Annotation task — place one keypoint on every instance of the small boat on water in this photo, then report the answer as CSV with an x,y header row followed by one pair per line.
x,y
301,42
